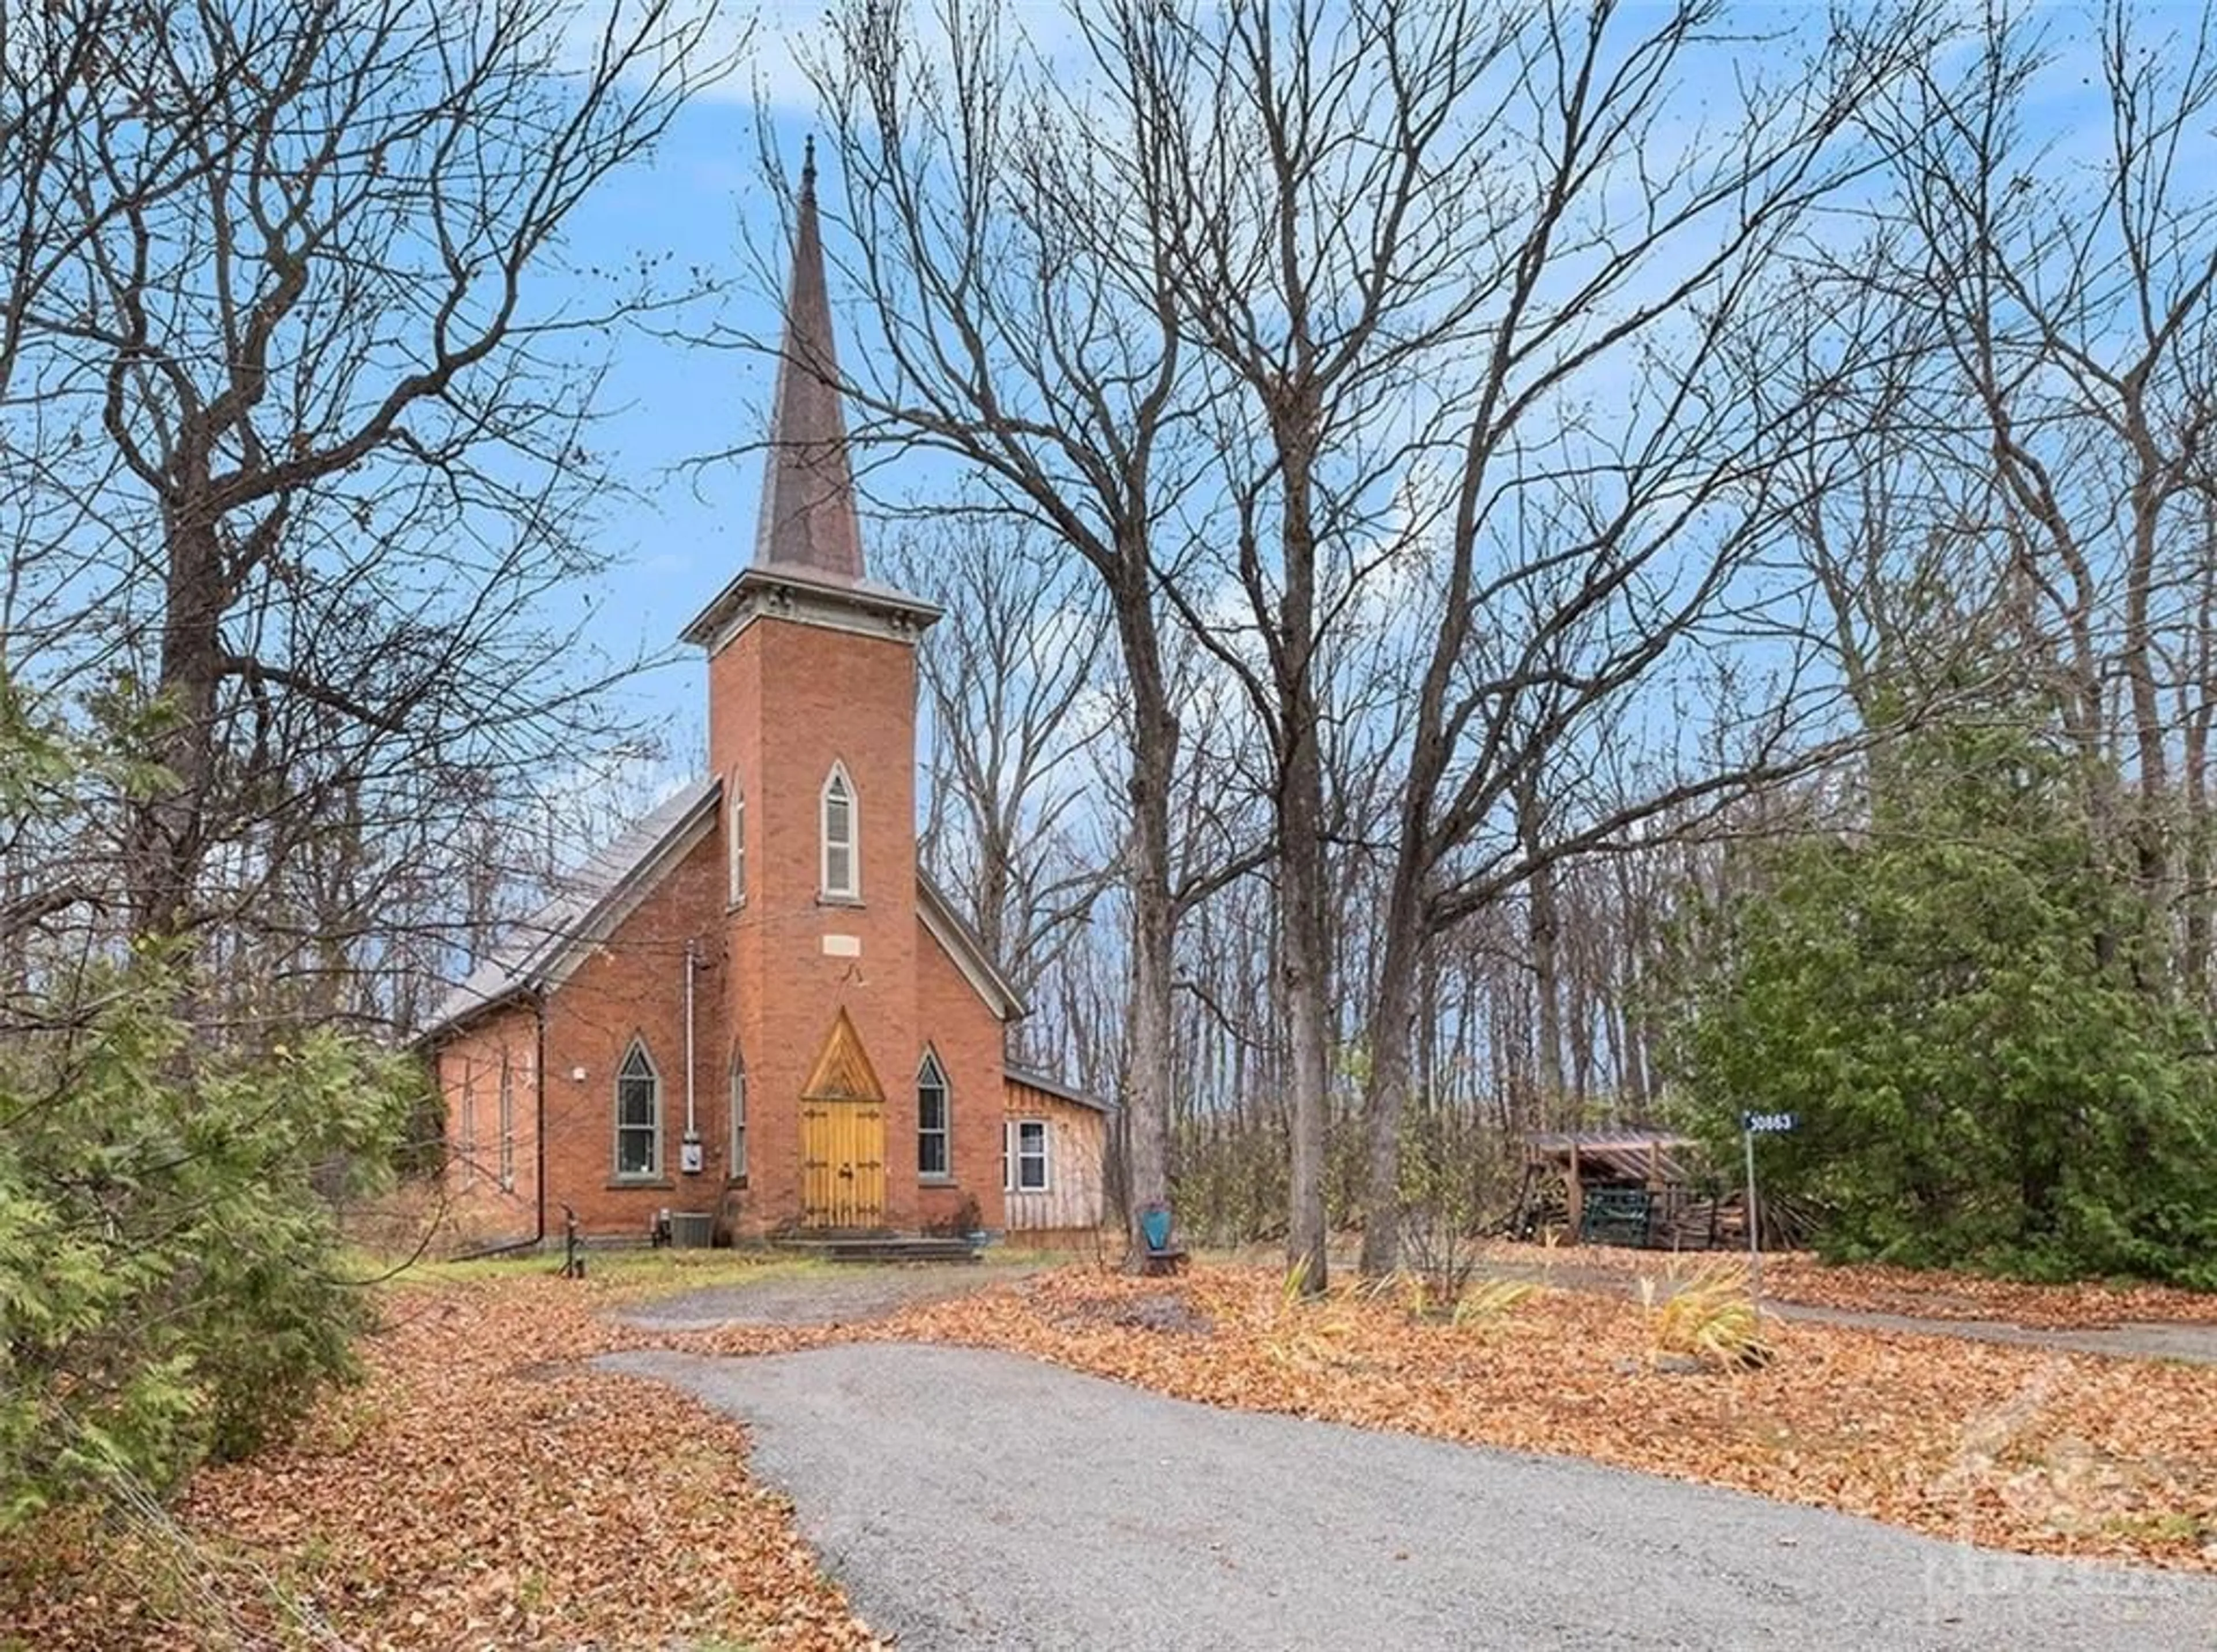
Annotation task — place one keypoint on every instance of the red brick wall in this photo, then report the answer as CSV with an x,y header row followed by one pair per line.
x,y
967,1036
786,701
632,984
484,1208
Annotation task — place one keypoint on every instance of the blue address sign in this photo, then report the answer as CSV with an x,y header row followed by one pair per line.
x,y
1766,1123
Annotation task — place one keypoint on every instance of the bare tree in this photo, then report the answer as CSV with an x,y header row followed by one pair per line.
x,y
1582,553
306,384
2074,309
978,200
1013,696
1311,250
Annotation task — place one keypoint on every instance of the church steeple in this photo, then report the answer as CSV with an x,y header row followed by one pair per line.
x,y
807,567
808,516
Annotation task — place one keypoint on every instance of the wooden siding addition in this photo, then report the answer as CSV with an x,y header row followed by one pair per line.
x,y
1074,1200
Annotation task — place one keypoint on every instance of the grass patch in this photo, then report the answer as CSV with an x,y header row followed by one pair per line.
x,y
632,1273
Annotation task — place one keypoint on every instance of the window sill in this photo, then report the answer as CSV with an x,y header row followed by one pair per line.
x,y
934,1179
648,1182
735,1181
730,907
849,901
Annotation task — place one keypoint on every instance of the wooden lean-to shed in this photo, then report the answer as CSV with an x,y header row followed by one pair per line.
x,y
1630,1187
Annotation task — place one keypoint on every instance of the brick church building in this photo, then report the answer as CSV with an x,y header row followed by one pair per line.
x,y
753,1006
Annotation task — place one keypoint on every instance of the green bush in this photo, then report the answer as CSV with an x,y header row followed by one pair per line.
x,y
1951,1002
169,1278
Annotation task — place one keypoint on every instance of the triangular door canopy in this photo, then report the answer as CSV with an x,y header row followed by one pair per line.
x,y
843,1072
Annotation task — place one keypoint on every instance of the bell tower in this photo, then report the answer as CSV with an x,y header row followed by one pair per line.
x,y
812,734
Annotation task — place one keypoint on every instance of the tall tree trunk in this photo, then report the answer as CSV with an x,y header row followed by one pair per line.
x,y
2198,698
1385,1097
1543,931
1152,1057
2151,833
1543,934
1302,896
1306,973
166,840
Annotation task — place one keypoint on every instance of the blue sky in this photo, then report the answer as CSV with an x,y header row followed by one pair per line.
x,y
704,201
670,403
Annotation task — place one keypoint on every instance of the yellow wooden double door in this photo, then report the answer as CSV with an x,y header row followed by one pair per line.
x,y
843,1135
843,1164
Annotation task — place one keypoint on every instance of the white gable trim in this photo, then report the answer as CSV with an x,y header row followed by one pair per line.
x,y
962,948
626,897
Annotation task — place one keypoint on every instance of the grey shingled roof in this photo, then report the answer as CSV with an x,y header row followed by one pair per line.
x,y
534,946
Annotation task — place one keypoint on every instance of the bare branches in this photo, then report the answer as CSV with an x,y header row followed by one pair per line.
x,y
2069,293
300,414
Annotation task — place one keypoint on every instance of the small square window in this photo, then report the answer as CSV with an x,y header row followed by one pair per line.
x,y
1024,1160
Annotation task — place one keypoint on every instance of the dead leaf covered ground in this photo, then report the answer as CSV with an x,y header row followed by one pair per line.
x,y
2016,1448
1875,1288
486,1488
483,1489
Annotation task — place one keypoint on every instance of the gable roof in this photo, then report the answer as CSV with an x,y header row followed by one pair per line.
x,y
589,902
1032,1079
960,942
540,952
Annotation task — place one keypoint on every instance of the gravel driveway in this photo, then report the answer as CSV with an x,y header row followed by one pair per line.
x,y
970,1499
843,1296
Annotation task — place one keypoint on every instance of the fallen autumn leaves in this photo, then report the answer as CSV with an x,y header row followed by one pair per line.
x,y
2012,1447
487,1490
1871,1288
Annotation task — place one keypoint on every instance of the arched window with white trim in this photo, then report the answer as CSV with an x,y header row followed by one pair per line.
x,y
638,1115
840,876
935,1158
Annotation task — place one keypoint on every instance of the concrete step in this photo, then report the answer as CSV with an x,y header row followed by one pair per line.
x,y
880,1248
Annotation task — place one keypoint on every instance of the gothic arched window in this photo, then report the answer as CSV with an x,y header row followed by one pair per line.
x,y
842,878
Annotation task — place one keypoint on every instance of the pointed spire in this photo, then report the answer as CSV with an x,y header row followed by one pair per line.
x,y
808,516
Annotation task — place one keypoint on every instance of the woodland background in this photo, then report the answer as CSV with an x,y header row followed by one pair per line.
x,y
1506,567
